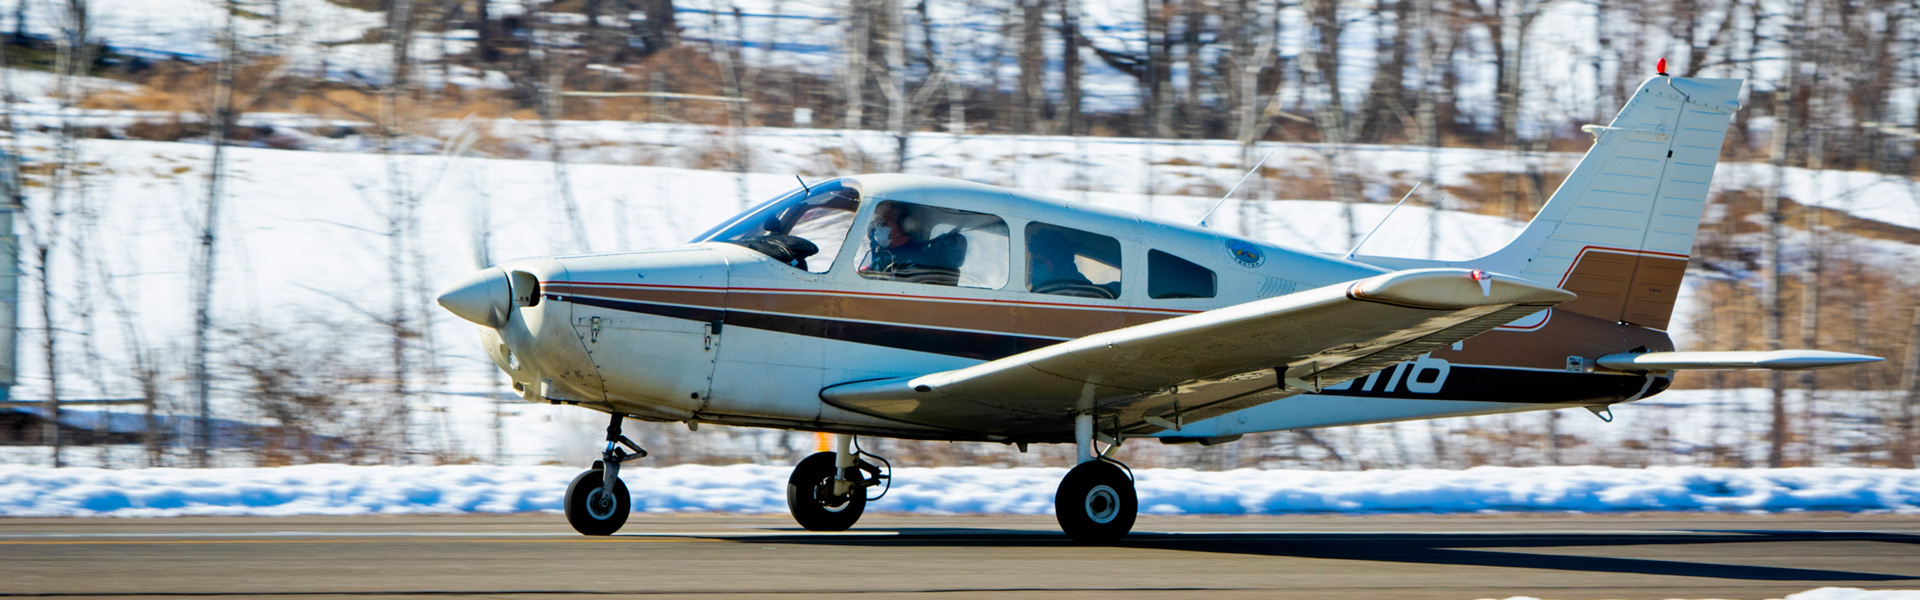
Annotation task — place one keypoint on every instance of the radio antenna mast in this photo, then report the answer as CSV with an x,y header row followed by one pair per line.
x,y
1383,221
1236,187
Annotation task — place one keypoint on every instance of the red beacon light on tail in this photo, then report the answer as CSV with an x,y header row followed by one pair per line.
x,y
1661,67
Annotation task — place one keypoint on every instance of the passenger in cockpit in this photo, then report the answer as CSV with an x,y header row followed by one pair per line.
x,y
1052,270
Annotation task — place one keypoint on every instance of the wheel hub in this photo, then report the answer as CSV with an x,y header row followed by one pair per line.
x,y
824,496
1103,504
600,504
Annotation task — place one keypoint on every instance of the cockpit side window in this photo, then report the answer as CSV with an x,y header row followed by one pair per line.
x,y
916,243
804,228
1069,262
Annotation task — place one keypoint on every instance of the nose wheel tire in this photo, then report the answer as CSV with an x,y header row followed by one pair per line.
x,y
1096,503
594,511
811,499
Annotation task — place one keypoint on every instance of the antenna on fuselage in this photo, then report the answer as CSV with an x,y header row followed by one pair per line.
x,y
1383,221
1236,187
806,189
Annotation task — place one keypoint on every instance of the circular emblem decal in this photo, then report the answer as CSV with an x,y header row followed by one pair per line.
x,y
1248,255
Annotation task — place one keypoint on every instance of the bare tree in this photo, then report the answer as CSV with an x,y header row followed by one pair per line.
x,y
858,44
220,119
1070,70
1029,114
1322,68
1252,68
71,64
1772,298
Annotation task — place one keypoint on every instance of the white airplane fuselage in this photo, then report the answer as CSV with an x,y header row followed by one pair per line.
x,y
715,332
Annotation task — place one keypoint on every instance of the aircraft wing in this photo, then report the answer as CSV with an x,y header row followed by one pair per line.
x,y
1207,364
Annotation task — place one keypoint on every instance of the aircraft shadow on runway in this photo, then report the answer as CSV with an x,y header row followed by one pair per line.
x,y
1466,549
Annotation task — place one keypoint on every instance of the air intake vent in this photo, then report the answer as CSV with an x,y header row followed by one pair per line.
x,y
1274,286
526,288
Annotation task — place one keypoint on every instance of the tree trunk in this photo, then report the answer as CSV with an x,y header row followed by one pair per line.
x,y
1030,115
1070,64
1904,440
1159,69
899,106
1773,297
854,77
1385,106
220,121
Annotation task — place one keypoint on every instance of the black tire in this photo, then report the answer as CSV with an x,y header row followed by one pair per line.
x,y
586,510
1096,503
810,496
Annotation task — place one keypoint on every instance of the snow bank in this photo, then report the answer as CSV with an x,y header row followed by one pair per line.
x,y
350,490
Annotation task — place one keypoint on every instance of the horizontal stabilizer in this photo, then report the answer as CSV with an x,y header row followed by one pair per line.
x,y
1778,360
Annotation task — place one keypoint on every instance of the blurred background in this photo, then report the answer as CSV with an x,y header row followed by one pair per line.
x,y
229,218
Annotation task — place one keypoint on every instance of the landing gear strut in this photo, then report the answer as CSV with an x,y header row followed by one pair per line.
x,y
597,501
1096,503
828,490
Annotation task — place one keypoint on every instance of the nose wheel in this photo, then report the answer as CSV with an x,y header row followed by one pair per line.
x,y
592,508
597,502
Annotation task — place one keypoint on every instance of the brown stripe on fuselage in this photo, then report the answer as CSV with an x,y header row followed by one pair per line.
x,y
713,298
1018,318
1625,287
1007,317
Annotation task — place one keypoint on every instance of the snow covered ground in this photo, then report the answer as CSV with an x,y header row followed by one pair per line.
x,y
352,490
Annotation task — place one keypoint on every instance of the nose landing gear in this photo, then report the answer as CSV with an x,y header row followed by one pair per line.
x,y
597,501
828,490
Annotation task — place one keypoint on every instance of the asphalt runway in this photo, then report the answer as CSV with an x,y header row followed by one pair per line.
x,y
537,556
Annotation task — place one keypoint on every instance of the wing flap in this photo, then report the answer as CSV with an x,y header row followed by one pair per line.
x,y
1216,361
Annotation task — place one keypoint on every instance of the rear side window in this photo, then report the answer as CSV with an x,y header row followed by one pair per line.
x,y
1069,262
1170,276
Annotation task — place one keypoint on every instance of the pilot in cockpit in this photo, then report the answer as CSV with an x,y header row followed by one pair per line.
x,y
898,253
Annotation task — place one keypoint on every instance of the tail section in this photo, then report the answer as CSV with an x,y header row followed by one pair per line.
x,y
1619,231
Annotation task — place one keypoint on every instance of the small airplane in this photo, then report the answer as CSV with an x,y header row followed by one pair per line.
x,y
935,309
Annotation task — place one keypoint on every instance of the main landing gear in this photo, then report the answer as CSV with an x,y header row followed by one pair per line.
x,y
828,490
597,501
1095,503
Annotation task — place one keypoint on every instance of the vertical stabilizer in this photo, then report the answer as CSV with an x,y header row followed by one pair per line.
x,y
1619,231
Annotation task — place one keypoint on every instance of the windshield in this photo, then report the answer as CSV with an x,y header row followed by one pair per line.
x,y
803,228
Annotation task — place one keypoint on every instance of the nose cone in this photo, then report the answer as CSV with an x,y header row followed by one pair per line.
x,y
483,297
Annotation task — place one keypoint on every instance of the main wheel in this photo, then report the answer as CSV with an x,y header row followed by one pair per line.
x,y
1096,503
593,511
810,496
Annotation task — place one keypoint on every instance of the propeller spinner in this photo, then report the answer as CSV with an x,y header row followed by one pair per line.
x,y
484,297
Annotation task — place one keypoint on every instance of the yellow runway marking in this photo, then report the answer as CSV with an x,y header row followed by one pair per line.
x,y
637,540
